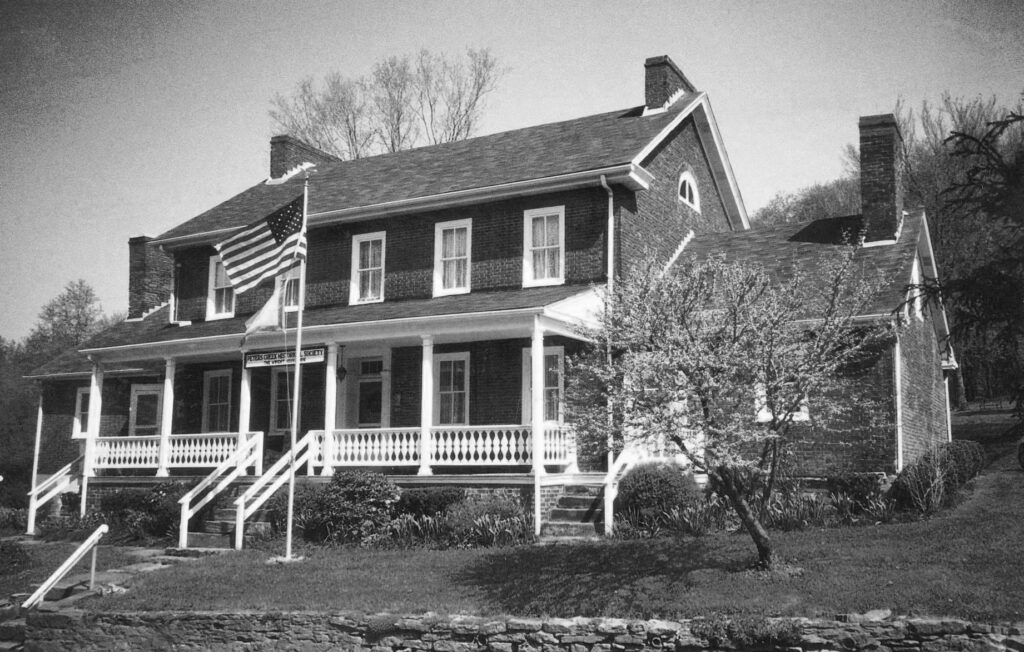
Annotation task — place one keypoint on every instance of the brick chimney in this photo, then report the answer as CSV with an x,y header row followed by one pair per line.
x,y
881,177
149,276
287,152
662,78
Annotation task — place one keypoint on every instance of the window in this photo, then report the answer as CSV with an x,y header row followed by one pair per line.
x,y
764,413
688,193
367,268
220,304
554,384
282,386
81,424
289,289
452,382
543,244
144,412
370,403
217,401
452,256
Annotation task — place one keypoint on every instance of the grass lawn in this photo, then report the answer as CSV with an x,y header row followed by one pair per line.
x,y
968,563
23,574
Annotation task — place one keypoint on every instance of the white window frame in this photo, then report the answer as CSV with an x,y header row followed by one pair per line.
x,y
275,382
133,410
353,295
211,302
80,424
287,277
764,415
529,276
527,396
438,358
215,373
439,229
686,176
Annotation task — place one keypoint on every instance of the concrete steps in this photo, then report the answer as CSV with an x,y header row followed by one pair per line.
x,y
578,515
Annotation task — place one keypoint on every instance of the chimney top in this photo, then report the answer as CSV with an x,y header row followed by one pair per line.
x,y
662,79
287,152
881,177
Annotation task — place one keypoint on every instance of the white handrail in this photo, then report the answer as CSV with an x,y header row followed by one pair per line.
x,y
58,575
304,452
52,486
250,453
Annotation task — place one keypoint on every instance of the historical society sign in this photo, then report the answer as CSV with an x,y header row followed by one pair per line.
x,y
280,358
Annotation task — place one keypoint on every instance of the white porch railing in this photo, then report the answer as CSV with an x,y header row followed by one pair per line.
x,y
45,491
559,444
184,451
481,445
377,447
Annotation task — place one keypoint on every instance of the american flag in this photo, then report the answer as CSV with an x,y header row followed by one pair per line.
x,y
266,248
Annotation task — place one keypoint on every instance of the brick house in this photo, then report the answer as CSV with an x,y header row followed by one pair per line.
x,y
445,285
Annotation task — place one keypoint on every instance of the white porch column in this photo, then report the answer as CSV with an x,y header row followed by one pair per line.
x,y
92,431
537,395
330,407
244,407
166,420
427,406
32,500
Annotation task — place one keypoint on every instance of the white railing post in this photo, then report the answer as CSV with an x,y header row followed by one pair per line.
x,y
93,431
330,409
166,419
537,395
427,406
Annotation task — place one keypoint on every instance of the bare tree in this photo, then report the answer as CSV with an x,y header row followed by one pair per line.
x,y
724,350
405,102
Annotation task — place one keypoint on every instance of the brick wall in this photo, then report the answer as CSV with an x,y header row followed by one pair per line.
x,y
923,388
656,220
149,276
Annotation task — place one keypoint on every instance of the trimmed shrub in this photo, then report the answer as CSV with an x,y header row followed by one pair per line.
x,y
13,519
932,480
647,491
276,508
428,501
354,507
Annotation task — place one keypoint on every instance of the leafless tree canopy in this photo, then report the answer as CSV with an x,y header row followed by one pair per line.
x,y
406,101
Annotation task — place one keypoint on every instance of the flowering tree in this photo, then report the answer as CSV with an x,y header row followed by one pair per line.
x,y
727,351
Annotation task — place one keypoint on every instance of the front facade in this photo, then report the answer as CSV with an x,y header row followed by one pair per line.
x,y
443,290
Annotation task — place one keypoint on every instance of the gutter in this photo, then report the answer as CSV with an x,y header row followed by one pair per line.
x,y
611,233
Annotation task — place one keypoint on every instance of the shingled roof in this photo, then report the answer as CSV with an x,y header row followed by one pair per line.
x,y
784,248
539,152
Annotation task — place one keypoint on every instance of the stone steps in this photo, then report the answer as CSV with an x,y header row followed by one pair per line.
x,y
578,515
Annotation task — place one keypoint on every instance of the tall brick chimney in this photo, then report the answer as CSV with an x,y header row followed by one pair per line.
x,y
881,177
287,152
662,78
149,276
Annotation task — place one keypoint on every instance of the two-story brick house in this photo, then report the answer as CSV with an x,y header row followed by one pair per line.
x,y
444,287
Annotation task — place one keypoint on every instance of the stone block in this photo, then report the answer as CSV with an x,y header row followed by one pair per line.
x,y
612,626
412,625
542,638
628,640
588,639
446,645
558,625
524,624
492,627
500,646
663,628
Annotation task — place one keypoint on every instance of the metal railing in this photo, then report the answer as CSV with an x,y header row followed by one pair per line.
x,y
45,491
250,453
69,563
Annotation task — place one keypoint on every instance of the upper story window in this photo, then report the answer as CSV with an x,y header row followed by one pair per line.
x,y
217,401
289,289
367,268
220,302
453,243
544,246
688,193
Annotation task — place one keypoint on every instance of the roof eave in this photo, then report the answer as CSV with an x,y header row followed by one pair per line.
x,y
629,175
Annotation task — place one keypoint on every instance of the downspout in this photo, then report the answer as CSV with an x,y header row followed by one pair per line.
x,y
611,287
898,382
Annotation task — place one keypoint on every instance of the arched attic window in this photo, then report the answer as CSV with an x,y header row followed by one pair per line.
x,y
688,193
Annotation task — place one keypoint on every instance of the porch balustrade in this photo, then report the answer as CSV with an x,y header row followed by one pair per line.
x,y
184,451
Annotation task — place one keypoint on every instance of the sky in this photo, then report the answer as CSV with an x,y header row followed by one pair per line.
x,y
123,118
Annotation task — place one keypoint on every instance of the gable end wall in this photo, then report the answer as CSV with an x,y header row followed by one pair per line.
x,y
923,388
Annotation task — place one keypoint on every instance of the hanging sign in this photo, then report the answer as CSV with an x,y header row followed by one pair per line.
x,y
281,358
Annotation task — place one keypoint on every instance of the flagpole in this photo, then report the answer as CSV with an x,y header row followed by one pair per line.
x,y
298,376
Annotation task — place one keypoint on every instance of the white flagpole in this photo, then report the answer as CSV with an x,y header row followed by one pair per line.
x,y
298,376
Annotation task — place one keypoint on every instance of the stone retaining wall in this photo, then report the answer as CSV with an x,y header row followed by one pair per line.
x,y
387,632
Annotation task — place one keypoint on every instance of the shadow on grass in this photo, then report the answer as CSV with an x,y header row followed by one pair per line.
x,y
626,578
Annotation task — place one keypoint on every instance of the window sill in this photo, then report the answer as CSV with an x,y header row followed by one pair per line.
x,y
543,282
453,291
225,315
365,301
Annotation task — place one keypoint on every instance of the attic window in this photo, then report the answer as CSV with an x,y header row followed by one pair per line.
x,y
688,193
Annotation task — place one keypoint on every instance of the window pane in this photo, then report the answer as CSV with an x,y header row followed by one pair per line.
x,y
445,409
552,257
552,228
551,371
220,276
291,292
539,268
538,232
445,384
460,242
447,243
458,408
551,401
458,374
